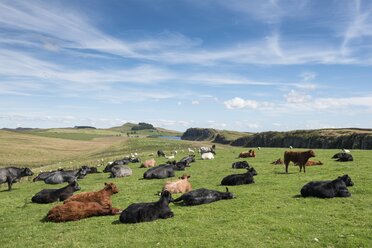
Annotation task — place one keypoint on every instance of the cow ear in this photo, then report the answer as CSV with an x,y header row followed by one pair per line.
x,y
188,176
105,184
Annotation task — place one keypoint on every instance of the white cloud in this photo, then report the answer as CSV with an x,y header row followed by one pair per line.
x,y
239,103
308,76
297,97
195,102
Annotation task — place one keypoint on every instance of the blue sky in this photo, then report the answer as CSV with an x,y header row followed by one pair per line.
x,y
237,65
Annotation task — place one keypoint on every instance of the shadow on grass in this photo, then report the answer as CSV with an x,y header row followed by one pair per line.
x,y
44,220
283,173
297,196
6,190
116,222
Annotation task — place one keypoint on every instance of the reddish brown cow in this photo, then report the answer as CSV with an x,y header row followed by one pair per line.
x,y
312,163
278,161
102,197
249,154
299,158
74,210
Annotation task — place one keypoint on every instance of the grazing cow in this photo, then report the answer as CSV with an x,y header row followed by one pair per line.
x,y
189,159
248,154
203,196
52,195
345,157
69,176
240,165
120,171
148,163
328,189
161,153
299,158
12,175
141,212
313,163
207,150
75,210
180,186
207,156
238,179
159,172
102,197
278,161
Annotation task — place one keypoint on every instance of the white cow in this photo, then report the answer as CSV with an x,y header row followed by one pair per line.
x,y
207,156
190,150
345,151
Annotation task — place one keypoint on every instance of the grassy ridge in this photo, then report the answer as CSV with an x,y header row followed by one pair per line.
x,y
264,214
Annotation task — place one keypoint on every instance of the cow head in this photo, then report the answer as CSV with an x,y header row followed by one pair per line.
x,y
27,172
111,187
311,153
75,185
166,195
184,176
252,171
228,195
347,180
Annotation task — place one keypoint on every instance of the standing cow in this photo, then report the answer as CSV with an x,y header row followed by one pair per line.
x,y
299,158
12,175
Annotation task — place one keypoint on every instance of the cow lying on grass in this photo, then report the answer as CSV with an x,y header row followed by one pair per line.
x,y
238,179
180,186
85,205
12,175
141,212
277,162
313,163
328,189
248,154
240,165
299,158
203,196
343,157
52,195
148,163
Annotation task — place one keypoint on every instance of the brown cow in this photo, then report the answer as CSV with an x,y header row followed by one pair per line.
x,y
299,158
278,161
148,163
249,154
102,197
312,163
74,210
180,186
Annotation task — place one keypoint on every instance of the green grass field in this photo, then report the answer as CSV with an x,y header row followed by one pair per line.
x,y
268,213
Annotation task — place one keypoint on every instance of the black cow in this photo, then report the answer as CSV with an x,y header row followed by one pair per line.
x,y
328,189
189,159
240,165
12,175
161,153
238,179
180,166
90,170
140,212
345,157
65,176
52,195
203,196
159,172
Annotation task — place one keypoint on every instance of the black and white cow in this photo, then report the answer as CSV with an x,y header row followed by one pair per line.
x,y
205,149
238,179
12,175
328,189
203,196
240,165
52,195
141,212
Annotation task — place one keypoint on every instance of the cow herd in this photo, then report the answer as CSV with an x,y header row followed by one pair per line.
x,y
88,204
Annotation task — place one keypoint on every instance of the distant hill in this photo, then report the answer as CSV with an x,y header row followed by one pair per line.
x,y
349,138
144,128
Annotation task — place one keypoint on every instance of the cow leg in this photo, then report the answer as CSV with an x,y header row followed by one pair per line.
x,y
286,167
304,167
10,182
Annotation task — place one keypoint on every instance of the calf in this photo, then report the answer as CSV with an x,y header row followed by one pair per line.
x,y
159,172
52,195
248,154
299,158
102,197
12,175
278,161
238,179
141,212
207,156
328,189
75,210
203,196
148,163
312,163
240,165
180,186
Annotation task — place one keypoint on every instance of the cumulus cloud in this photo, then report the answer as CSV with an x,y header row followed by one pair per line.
x,y
296,97
239,103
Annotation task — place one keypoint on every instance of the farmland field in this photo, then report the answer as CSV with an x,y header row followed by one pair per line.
x,y
268,213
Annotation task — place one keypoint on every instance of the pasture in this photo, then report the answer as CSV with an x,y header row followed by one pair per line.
x,y
268,213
